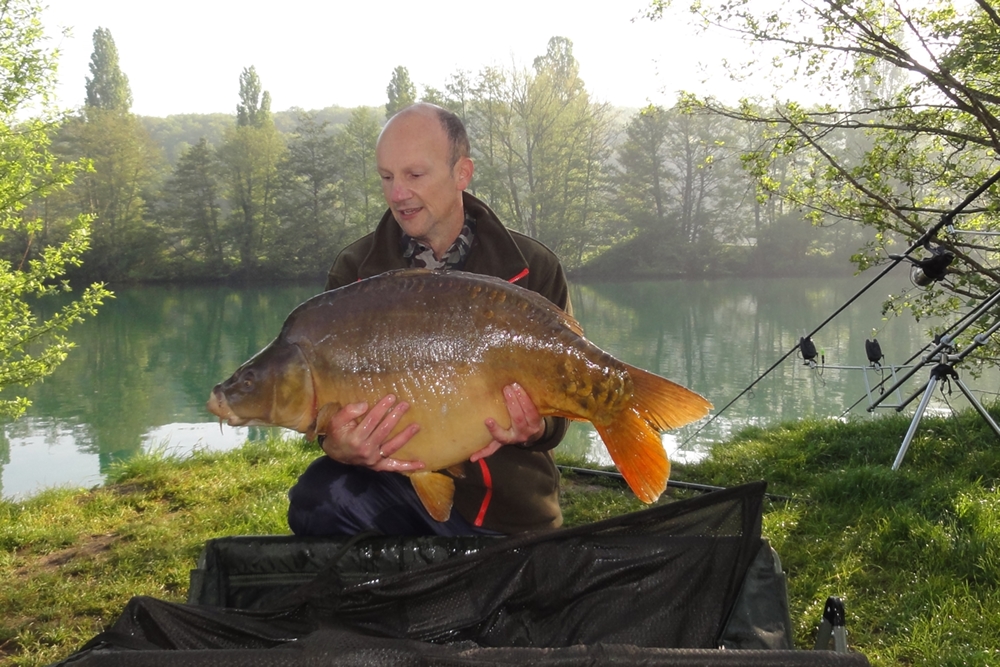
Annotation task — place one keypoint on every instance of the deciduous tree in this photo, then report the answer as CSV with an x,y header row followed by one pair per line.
x,y
31,346
911,125
360,187
541,145
401,92
126,168
251,152
107,85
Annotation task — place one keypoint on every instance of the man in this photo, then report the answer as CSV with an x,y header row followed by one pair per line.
x,y
510,486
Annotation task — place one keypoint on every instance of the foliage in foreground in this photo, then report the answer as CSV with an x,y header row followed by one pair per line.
x,y
31,347
914,553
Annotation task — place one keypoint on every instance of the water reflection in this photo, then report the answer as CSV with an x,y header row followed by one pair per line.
x,y
139,378
718,337
143,368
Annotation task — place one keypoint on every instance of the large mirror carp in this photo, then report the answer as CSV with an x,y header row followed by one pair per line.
x,y
447,343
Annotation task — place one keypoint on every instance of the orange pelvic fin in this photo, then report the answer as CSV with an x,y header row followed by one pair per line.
x,y
633,437
435,491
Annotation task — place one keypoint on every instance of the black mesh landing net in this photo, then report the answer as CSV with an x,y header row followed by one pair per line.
x,y
651,588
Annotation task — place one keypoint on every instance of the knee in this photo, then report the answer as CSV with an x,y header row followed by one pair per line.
x,y
313,497
333,499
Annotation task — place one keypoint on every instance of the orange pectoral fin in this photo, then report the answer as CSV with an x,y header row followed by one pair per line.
x,y
323,416
436,492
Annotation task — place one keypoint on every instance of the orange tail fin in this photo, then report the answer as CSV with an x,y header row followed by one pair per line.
x,y
633,437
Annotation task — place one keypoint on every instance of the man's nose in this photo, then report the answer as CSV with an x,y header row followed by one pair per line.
x,y
398,192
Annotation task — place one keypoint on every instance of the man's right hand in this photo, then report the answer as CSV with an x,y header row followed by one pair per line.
x,y
358,436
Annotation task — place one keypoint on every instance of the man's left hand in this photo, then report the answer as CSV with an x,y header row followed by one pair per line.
x,y
526,425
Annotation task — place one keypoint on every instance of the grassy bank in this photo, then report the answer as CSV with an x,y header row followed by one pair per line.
x,y
915,553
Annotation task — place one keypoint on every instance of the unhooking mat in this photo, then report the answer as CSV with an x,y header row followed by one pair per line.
x,y
665,586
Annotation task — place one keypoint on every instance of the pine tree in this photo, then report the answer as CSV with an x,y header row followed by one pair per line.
x,y
191,210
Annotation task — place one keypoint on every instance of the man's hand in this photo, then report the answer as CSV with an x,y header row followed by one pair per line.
x,y
526,425
358,436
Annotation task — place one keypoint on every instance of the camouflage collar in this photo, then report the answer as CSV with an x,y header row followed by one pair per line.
x,y
420,256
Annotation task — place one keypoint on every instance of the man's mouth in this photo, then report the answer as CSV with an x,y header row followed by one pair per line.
x,y
409,212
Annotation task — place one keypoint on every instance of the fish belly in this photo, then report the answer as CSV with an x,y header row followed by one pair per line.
x,y
453,424
451,410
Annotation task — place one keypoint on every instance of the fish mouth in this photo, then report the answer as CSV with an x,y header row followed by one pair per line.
x,y
219,406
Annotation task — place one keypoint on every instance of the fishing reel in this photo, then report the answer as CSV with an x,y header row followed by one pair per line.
x,y
929,269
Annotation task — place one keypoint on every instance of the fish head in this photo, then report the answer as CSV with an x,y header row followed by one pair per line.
x,y
273,388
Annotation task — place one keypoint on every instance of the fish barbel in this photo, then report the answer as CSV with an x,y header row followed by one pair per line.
x,y
447,343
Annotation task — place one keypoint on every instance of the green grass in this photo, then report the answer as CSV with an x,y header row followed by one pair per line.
x,y
69,560
915,554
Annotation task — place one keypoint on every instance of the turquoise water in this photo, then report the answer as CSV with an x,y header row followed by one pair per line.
x,y
143,368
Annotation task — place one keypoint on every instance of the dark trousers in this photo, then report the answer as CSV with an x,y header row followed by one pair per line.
x,y
332,499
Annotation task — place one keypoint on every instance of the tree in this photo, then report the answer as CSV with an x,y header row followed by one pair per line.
x,y
360,188
125,173
254,109
309,201
679,187
107,85
31,346
541,147
126,169
250,153
913,129
401,91
191,213
641,175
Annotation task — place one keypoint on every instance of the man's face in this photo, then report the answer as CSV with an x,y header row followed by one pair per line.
x,y
421,187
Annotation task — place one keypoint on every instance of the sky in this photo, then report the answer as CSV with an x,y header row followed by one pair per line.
x,y
186,56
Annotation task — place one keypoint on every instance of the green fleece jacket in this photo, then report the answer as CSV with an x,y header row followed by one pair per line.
x,y
516,489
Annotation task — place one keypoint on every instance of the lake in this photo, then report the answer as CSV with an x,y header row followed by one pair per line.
x,y
143,368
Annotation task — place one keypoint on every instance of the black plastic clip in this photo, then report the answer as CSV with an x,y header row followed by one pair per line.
x,y
833,625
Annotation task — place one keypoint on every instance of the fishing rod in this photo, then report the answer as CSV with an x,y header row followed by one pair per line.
x,y
912,358
693,486
940,341
923,241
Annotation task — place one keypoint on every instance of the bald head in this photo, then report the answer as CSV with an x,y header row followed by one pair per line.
x,y
424,172
451,125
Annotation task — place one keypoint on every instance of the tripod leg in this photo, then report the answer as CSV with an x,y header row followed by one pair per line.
x,y
916,420
978,406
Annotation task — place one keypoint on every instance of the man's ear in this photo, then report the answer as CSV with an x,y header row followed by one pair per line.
x,y
463,172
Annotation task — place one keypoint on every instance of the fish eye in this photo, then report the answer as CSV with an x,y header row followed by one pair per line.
x,y
247,380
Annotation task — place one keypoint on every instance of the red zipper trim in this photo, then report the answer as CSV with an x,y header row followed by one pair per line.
x,y
487,477
488,483
518,276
